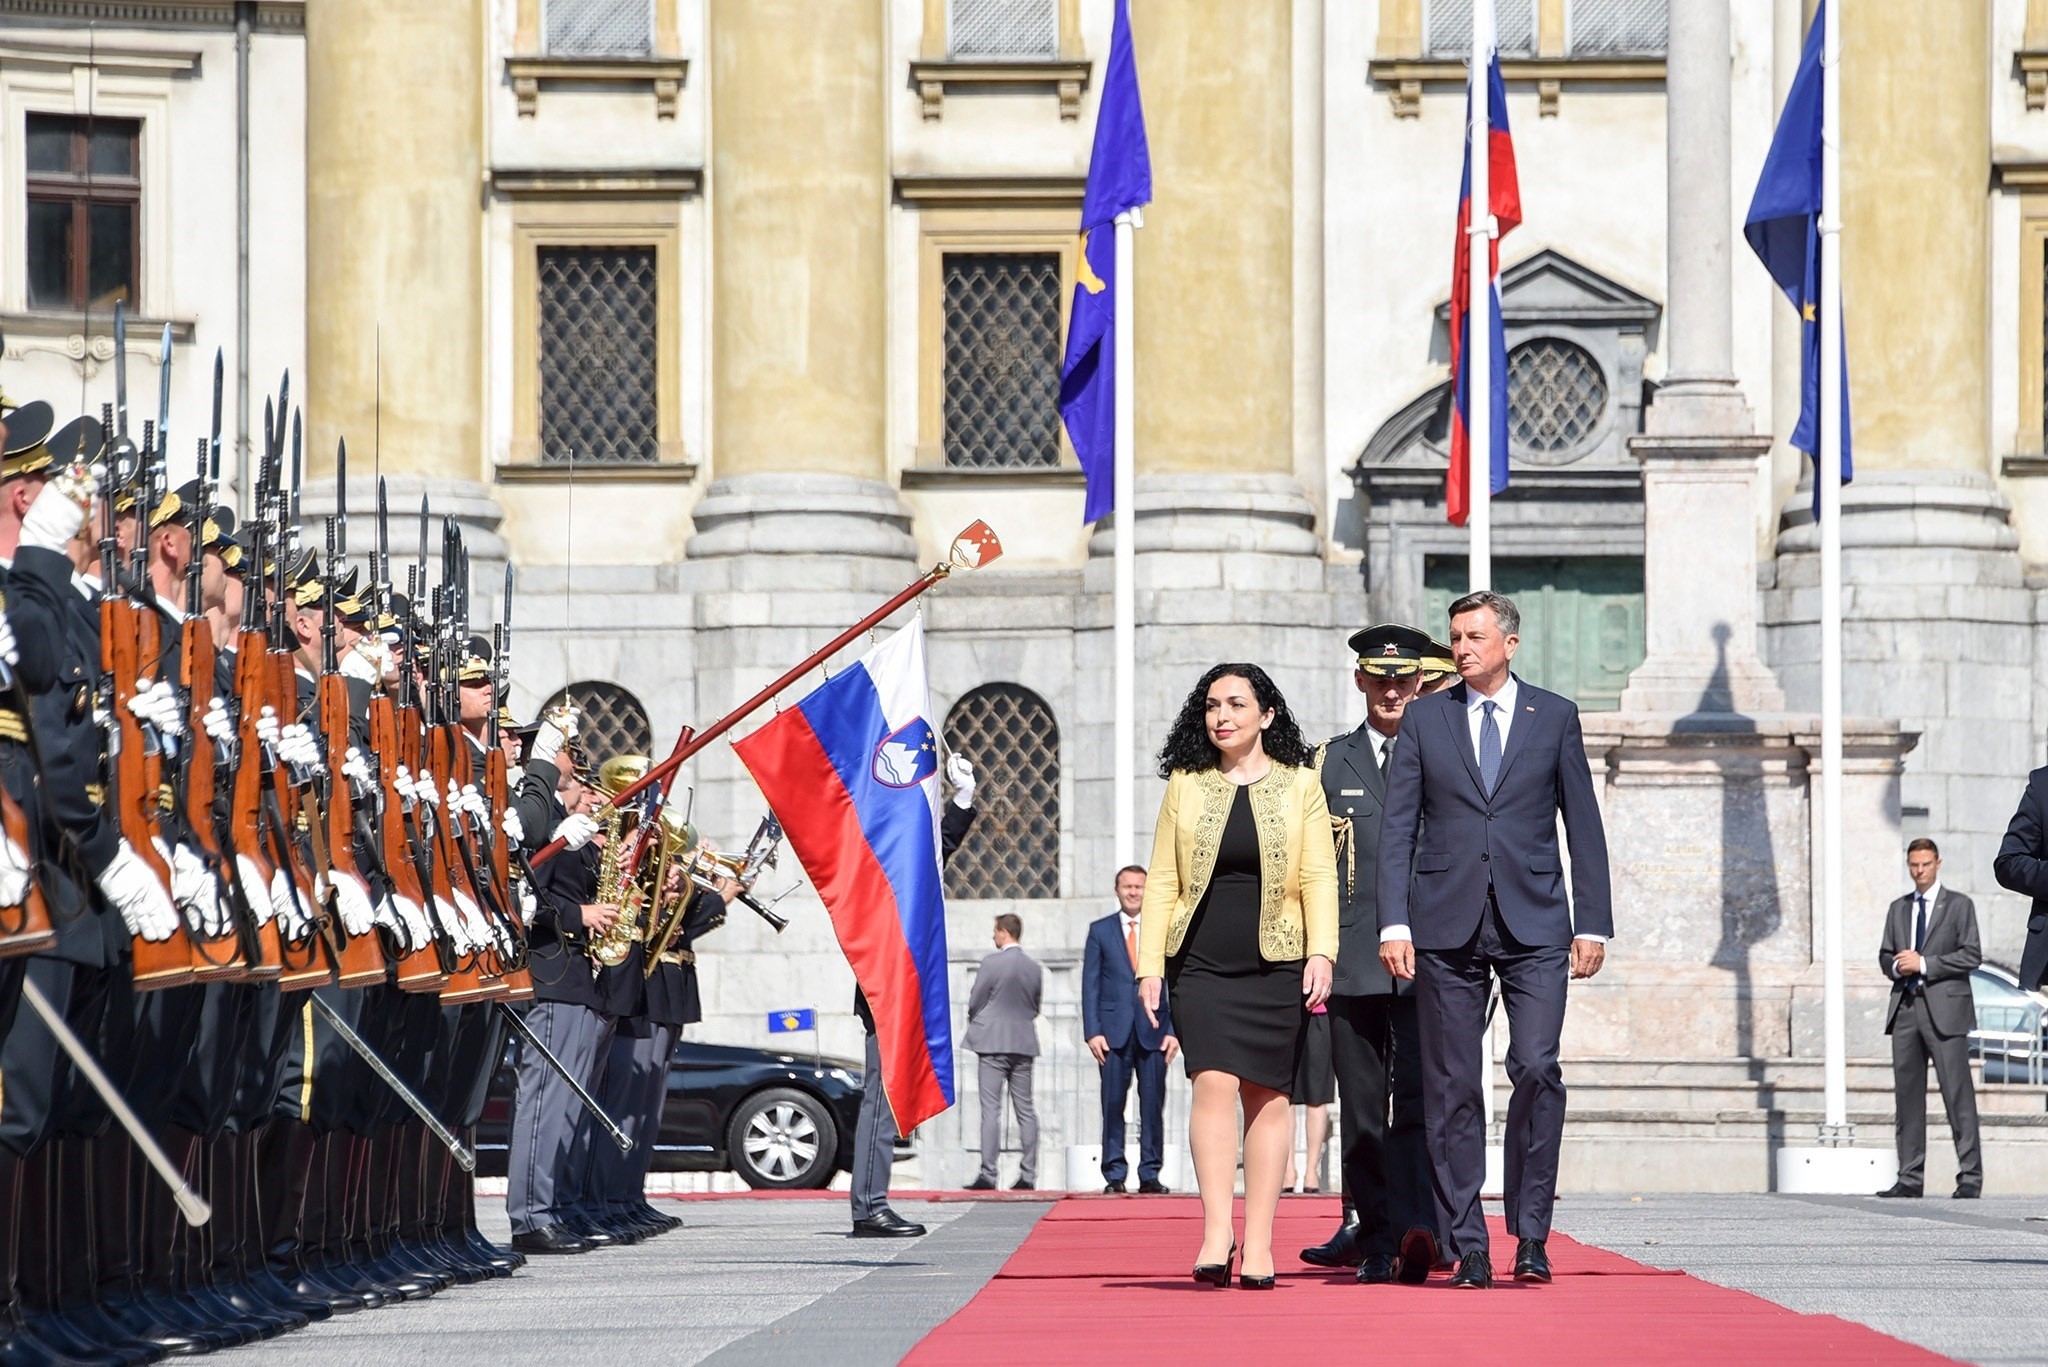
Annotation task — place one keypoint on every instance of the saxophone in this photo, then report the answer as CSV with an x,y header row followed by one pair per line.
x,y
620,827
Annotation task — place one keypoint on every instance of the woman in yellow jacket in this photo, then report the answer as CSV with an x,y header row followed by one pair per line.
x,y
1240,919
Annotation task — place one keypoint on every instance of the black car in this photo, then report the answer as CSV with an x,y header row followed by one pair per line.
x,y
778,1120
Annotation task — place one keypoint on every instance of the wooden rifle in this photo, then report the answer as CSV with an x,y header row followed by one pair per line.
x,y
498,793
482,979
362,960
420,829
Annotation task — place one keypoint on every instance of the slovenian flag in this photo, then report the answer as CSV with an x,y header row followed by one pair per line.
x,y
1506,195
852,772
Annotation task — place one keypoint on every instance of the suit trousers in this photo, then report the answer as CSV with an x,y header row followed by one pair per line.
x,y
542,1167
635,1085
1914,1044
874,1140
1119,1067
1014,1072
1376,1052
1451,992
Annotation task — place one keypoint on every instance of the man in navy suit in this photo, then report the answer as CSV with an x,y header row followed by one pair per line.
x,y
1471,888
1124,1043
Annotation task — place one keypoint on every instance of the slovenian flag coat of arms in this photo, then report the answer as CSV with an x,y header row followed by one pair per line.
x,y
852,772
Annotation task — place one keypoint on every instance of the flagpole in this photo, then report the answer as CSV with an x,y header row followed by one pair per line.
x,y
1125,593
1827,475
1478,345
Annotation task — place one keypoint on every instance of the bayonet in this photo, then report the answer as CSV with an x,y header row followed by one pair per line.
x,y
121,369
211,473
163,401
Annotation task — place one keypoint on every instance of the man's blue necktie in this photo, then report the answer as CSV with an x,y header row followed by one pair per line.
x,y
1919,920
1489,746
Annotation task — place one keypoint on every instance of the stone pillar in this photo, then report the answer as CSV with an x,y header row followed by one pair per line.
x,y
395,142
1700,447
799,193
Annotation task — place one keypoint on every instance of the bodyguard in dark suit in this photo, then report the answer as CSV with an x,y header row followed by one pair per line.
x,y
1375,1047
1930,946
2022,867
1125,1044
1471,888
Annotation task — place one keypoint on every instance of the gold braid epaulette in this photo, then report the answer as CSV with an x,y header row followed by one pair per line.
x,y
13,726
1347,847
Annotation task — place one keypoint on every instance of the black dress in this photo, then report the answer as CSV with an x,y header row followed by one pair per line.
x,y
1233,1010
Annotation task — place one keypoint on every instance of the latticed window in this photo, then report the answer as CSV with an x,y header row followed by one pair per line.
x,y
1003,28
600,28
613,722
1013,849
1556,397
1002,357
599,403
1617,28
1447,27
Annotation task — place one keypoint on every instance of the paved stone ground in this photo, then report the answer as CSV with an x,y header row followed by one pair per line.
x,y
777,1282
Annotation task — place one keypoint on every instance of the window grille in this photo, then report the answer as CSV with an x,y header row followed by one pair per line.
x,y
1447,27
599,400
84,211
1003,28
1013,849
1556,397
600,28
2044,339
1002,360
1617,28
613,721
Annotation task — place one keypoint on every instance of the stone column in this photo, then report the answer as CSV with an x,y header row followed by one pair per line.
x,y
799,192
1700,447
395,143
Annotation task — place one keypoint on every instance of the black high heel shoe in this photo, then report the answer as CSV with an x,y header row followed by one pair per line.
x,y
1217,1274
1247,1282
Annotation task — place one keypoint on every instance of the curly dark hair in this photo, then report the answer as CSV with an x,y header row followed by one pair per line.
x,y
1188,747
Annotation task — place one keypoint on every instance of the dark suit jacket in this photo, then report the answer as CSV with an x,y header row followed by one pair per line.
x,y
1109,991
1950,953
2022,866
1356,791
1458,841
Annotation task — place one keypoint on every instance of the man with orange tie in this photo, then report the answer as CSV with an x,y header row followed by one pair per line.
x,y
1125,1045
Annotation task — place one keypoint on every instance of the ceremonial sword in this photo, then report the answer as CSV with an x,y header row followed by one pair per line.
x,y
463,1157
590,1103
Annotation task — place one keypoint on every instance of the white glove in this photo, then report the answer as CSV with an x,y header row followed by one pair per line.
x,y
132,887
423,789
292,919
193,888
575,831
961,773
144,704
170,717
473,803
14,873
473,923
356,770
557,729
367,660
402,781
296,746
217,722
253,891
9,651
529,905
515,829
352,901
266,726
451,922
412,917
53,519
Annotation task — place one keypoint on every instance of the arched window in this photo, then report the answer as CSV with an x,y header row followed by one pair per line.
x,y
1557,399
613,721
1013,849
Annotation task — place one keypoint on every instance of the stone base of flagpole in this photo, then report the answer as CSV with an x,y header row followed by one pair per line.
x,y
1835,1170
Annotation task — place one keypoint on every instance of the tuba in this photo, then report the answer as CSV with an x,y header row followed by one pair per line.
x,y
615,886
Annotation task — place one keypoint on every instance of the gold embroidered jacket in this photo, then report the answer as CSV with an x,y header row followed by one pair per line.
x,y
1297,864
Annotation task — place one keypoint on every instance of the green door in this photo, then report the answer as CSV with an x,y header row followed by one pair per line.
x,y
1582,619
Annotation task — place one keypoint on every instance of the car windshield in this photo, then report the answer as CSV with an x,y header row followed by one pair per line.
x,y
2002,1007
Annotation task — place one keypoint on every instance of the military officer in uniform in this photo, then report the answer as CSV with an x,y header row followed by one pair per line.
x,y
1388,1230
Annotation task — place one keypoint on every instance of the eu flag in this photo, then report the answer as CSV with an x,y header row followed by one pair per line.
x,y
1783,228
1119,179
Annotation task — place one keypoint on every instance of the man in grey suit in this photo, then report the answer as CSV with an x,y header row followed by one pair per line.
x,y
1930,946
1002,1027
1471,888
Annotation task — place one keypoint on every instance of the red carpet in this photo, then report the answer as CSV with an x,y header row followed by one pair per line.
x,y
1105,1279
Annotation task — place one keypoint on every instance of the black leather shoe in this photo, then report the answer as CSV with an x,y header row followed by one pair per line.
x,y
1900,1189
1475,1272
887,1225
1247,1282
1217,1274
582,1227
1152,1186
1532,1263
1115,1189
1377,1269
1419,1253
1341,1250
552,1239
1967,1193
980,1184
1021,1185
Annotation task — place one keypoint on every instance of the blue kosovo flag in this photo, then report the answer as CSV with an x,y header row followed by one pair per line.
x,y
1783,228
1119,179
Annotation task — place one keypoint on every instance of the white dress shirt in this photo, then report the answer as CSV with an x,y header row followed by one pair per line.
x,y
1380,742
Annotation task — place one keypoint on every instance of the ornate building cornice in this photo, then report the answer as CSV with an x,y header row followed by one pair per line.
x,y
272,16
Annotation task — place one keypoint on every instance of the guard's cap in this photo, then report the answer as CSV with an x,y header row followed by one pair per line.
x,y
27,428
174,504
1390,650
1437,661
77,440
476,661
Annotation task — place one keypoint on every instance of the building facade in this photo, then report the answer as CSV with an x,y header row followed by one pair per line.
x,y
718,318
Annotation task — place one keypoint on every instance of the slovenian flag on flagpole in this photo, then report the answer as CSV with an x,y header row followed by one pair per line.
x,y
1506,195
852,772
